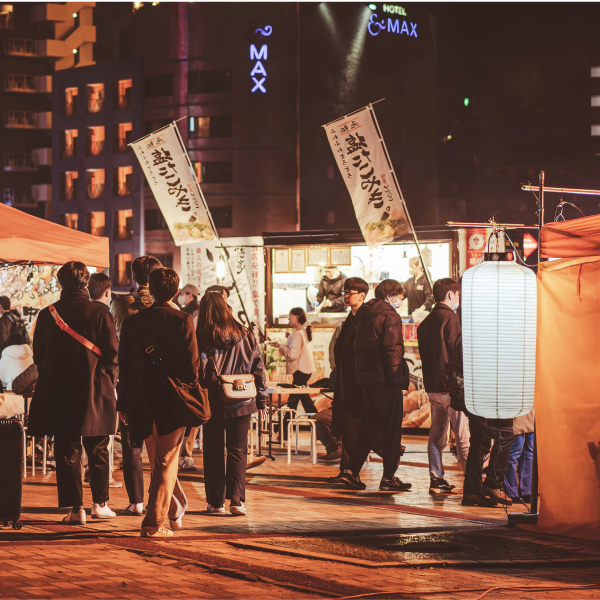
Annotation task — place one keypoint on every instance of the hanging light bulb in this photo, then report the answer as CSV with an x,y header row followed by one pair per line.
x,y
220,269
499,337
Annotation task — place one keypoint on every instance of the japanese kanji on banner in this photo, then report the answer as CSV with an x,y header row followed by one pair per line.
x,y
363,160
169,172
246,259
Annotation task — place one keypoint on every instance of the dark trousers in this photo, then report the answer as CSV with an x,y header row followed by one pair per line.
x,y
223,483
299,378
323,427
350,426
67,451
481,435
382,412
133,471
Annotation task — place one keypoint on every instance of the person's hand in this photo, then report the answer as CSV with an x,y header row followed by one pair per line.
x,y
287,334
275,344
327,303
123,418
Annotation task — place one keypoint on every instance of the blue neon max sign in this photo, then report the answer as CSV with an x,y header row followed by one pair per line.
x,y
259,73
391,26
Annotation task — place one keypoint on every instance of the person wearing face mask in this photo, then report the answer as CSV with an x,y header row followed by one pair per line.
x,y
188,299
382,374
437,336
418,290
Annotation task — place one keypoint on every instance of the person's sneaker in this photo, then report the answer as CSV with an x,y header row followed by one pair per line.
x,y
332,456
394,485
477,500
113,483
177,521
132,510
102,512
497,495
440,486
256,462
186,463
336,478
160,532
238,511
76,518
352,480
218,509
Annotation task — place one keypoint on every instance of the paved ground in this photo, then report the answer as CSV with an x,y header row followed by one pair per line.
x,y
302,538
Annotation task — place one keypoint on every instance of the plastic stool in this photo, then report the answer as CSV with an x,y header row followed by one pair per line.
x,y
254,425
313,437
282,410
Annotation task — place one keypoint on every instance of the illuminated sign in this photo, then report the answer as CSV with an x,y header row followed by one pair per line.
x,y
391,26
259,73
394,10
530,245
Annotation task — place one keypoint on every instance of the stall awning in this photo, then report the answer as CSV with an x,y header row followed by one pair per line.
x,y
571,239
28,239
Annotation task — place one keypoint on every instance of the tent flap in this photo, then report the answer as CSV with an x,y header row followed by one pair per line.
x,y
571,239
25,238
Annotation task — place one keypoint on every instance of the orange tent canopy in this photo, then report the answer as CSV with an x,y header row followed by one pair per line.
x,y
25,238
571,239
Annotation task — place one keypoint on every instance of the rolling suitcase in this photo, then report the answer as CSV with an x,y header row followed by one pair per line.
x,y
11,472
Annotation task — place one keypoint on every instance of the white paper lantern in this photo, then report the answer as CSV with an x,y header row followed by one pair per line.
x,y
499,333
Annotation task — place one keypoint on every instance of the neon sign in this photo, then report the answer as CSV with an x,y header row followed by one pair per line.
x,y
394,10
259,73
391,26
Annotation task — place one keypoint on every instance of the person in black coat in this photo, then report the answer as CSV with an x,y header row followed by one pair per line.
x,y
437,336
382,374
74,397
418,290
144,397
227,348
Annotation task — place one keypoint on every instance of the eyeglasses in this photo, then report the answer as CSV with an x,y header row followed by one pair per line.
x,y
350,293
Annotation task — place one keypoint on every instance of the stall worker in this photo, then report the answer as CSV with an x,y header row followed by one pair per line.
x,y
331,291
418,290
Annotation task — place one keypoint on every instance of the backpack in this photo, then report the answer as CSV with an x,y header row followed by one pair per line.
x,y
18,326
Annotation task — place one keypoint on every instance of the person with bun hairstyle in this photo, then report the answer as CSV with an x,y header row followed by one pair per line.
x,y
300,363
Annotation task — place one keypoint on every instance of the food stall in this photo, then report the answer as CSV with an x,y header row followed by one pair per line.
x,y
294,263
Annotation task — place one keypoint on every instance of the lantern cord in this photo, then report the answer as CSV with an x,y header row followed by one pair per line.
x,y
560,205
516,253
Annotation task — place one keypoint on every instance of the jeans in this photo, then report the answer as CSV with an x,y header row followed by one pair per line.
x,y
187,446
133,471
382,412
67,451
223,483
520,461
163,453
299,378
441,415
481,434
323,427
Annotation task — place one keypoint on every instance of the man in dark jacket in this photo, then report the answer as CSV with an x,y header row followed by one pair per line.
x,y
437,336
75,396
330,293
382,375
188,299
143,399
418,290
123,307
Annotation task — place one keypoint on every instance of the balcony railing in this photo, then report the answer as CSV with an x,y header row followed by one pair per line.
x,y
20,47
69,151
97,230
123,189
69,192
95,148
20,119
123,233
19,198
95,190
18,162
20,83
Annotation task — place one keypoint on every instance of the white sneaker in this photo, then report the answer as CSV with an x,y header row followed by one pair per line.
x,y
102,512
177,522
76,518
113,483
211,509
160,532
237,510
186,463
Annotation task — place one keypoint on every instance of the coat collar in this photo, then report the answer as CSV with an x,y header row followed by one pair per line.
x,y
75,294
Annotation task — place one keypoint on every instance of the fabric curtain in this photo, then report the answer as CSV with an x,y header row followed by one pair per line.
x,y
571,239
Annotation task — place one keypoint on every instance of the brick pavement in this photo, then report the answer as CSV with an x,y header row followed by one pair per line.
x,y
209,559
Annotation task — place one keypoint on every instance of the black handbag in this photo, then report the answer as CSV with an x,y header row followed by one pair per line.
x,y
189,402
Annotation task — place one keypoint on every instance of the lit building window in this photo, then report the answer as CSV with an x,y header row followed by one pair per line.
x,y
210,127
6,16
213,171
122,93
122,136
69,220
123,181
69,105
95,223
123,225
123,269
94,183
95,141
68,143
95,97
68,185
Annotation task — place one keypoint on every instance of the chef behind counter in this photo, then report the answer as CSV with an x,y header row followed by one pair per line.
x,y
330,296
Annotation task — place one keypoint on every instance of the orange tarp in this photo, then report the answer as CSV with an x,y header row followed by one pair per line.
x,y
569,239
25,238
567,397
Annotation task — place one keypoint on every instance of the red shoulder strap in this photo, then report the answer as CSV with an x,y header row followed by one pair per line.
x,y
73,333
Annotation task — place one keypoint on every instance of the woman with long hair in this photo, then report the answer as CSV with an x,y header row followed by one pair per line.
x,y
299,361
227,348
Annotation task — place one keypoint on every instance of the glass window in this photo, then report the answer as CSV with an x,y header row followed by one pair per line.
x,y
122,272
68,185
95,223
123,181
95,141
69,220
6,16
95,97
209,82
159,85
213,171
18,161
213,127
123,225
68,143
94,183
122,94
69,103
122,136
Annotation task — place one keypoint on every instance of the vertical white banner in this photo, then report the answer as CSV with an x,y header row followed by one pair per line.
x,y
169,172
246,259
361,155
